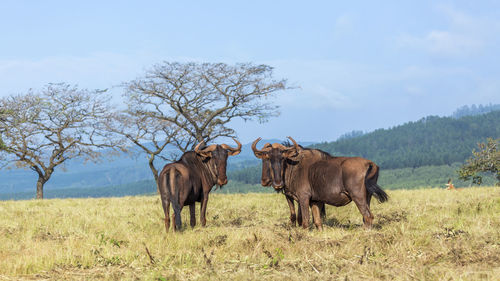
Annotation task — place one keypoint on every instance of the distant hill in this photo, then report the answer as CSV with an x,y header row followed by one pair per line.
x,y
429,141
119,171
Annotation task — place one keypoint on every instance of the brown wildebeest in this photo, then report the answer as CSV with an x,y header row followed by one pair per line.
x,y
191,178
312,177
266,181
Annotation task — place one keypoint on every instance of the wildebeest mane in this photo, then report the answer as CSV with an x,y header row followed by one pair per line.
x,y
192,160
323,154
189,158
287,143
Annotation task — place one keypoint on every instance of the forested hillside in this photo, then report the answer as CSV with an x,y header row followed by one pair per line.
x,y
439,142
430,141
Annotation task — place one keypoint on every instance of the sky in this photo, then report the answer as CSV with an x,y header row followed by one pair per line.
x,y
356,65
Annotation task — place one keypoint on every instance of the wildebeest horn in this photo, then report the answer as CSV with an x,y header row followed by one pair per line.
x,y
197,147
265,148
233,151
225,146
294,143
206,149
259,153
254,146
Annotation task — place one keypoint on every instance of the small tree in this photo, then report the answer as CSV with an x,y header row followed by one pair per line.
x,y
41,130
192,102
487,159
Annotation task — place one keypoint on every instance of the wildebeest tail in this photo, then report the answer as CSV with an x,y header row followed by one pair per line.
x,y
173,191
371,183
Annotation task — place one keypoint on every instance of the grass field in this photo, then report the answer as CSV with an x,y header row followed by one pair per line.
x,y
426,234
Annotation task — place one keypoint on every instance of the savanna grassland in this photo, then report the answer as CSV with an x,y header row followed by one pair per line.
x,y
426,234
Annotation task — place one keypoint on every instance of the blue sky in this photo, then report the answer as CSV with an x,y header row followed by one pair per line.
x,y
360,65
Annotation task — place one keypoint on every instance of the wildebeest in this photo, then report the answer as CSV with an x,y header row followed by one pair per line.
x,y
266,181
312,177
191,178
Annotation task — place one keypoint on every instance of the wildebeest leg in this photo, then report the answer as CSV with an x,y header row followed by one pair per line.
x,y
171,191
165,200
166,210
176,217
363,207
315,207
293,216
174,227
299,215
304,207
192,213
323,211
203,209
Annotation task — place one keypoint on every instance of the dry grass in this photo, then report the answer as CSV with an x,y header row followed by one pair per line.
x,y
426,234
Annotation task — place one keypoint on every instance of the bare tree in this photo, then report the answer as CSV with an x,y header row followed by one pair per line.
x,y
41,130
202,98
182,104
150,135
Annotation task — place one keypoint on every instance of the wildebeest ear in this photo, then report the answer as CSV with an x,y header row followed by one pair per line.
x,y
261,154
204,154
290,153
293,151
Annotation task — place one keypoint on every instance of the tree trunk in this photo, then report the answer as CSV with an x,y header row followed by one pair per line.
x,y
154,171
39,188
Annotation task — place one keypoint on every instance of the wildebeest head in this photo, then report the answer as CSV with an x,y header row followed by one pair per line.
x,y
275,155
265,179
217,155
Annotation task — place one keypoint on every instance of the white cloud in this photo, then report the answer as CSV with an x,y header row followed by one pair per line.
x,y
344,23
464,35
313,97
102,70
326,84
95,71
461,20
414,91
444,43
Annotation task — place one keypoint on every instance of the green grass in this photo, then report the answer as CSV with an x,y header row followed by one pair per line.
x,y
425,234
